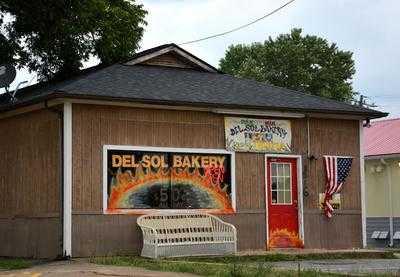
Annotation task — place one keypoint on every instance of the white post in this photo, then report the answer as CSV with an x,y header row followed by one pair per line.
x,y
67,186
362,181
389,198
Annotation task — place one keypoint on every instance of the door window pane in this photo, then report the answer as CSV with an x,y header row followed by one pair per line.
x,y
273,183
287,183
281,184
280,169
281,195
273,169
288,197
274,197
286,170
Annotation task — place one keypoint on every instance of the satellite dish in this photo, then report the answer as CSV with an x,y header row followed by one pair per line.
x,y
7,75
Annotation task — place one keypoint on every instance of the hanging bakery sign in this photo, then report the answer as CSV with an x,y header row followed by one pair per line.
x,y
257,135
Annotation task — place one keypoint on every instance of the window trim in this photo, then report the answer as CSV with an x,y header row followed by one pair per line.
x,y
107,147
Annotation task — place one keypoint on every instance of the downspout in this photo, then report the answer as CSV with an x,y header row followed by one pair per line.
x,y
309,155
60,114
308,137
309,158
389,182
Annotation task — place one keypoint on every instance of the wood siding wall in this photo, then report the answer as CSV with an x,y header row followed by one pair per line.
x,y
30,185
94,126
333,137
169,59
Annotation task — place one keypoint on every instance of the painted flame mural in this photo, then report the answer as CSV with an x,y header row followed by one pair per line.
x,y
153,180
283,238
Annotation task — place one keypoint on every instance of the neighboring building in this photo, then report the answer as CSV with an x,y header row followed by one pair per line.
x,y
82,158
382,179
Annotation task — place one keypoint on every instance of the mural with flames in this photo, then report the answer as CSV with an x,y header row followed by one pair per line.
x,y
283,238
147,180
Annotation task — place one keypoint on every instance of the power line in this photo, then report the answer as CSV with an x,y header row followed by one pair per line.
x,y
390,96
240,27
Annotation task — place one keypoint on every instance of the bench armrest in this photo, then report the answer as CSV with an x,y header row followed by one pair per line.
x,y
149,235
224,230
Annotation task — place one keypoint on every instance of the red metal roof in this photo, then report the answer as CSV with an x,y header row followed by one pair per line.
x,y
382,138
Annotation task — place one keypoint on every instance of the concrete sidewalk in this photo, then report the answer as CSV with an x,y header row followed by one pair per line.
x,y
77,268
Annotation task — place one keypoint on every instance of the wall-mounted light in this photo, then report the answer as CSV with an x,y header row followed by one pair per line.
x,y
398,164
372,169
378,168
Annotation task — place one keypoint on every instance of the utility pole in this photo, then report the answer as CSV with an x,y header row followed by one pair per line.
x,y
363,103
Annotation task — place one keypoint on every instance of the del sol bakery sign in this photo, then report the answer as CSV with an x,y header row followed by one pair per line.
x,y
257,135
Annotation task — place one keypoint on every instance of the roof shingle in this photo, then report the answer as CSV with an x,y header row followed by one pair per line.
x,y
177,86
382,138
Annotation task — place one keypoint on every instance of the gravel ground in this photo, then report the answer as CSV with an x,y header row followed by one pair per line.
x,y
345,266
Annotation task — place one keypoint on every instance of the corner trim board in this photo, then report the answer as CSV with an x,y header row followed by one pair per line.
x,y
362,183
67,184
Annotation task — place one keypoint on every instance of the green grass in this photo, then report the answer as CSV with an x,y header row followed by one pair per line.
x,y
9,264
205,268
279,257
238,266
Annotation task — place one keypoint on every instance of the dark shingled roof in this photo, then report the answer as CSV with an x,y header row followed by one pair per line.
x,y
177,86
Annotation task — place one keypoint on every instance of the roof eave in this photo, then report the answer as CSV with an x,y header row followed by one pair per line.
x,y
309,112
382,156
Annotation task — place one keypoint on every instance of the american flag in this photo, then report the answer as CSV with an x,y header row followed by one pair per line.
x,y
337,170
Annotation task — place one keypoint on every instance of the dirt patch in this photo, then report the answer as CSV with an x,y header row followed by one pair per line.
x,y
78,268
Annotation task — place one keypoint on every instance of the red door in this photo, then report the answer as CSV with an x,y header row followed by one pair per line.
x,y
282,201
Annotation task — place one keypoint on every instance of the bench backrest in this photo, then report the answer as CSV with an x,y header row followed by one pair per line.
x,y
176,221
181,227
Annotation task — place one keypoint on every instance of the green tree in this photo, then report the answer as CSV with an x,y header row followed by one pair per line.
x,y
7,49
54,37
305,63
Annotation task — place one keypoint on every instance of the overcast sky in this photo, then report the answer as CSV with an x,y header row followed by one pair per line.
x,y
370,29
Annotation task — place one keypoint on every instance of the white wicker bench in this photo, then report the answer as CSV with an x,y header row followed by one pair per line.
x,y
186,234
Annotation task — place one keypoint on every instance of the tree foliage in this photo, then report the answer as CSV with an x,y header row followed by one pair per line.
x,y
305,63
7,47
55,37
